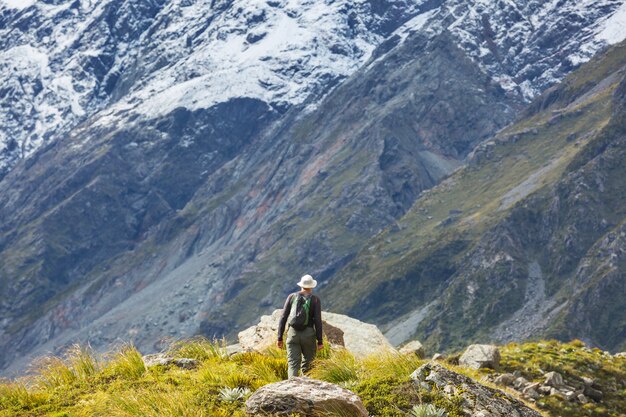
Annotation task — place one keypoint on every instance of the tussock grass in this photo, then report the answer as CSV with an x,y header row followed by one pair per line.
x,y
199,348
127,364
15,395
390,365
83,384
78,366
340,366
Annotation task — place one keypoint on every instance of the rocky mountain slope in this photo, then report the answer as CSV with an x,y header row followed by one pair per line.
x,y
214,149
526,240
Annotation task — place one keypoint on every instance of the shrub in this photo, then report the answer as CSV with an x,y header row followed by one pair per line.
x,y
427,410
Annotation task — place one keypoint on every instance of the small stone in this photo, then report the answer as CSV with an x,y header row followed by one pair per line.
x,y
570,395
438,357
554,379
587,381
164,360
505,379
520,383
620,355
156,359
531,393
545,389
481,356
593,393
233,349
186,363
449,389
413,348
531,387
582,398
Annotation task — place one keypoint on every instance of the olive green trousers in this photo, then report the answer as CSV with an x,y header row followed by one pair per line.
x,y
300,343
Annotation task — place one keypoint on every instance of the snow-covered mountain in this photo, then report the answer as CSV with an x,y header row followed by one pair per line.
x,y
163,163
528,46
65,61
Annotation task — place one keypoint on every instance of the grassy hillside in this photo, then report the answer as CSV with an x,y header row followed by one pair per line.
x,y
537,197
85,384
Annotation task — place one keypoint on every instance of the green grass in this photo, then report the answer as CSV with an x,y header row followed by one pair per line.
x,y
82,383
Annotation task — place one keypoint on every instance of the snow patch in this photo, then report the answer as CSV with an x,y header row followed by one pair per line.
x,y
614,28
18,4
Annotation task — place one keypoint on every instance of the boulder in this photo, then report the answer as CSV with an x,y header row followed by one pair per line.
x,y
164,360
413,348
477,399
361,339
554,379
481,356
305,396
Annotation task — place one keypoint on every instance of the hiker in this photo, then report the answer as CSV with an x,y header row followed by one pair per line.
x,y
303,313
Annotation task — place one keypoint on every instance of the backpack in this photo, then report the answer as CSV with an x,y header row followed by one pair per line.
x,y
300,311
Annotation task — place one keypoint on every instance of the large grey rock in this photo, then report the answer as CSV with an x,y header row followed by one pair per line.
x,y
360,339
478,400
481,356
306,396
414,347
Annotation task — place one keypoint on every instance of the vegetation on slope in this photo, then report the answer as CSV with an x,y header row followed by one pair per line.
x,y
460,258
83,383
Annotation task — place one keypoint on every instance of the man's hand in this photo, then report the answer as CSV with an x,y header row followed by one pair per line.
x,y
279,344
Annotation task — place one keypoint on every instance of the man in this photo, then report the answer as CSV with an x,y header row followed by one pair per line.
x,y
301,336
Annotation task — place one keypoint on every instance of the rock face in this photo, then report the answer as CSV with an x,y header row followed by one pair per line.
x,y
481,356
478,400
361,339
308,397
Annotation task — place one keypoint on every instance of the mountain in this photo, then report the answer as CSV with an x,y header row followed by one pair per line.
x,y
66,61
525,241
198,157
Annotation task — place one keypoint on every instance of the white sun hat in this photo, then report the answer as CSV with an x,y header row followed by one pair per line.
x,y
307,281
